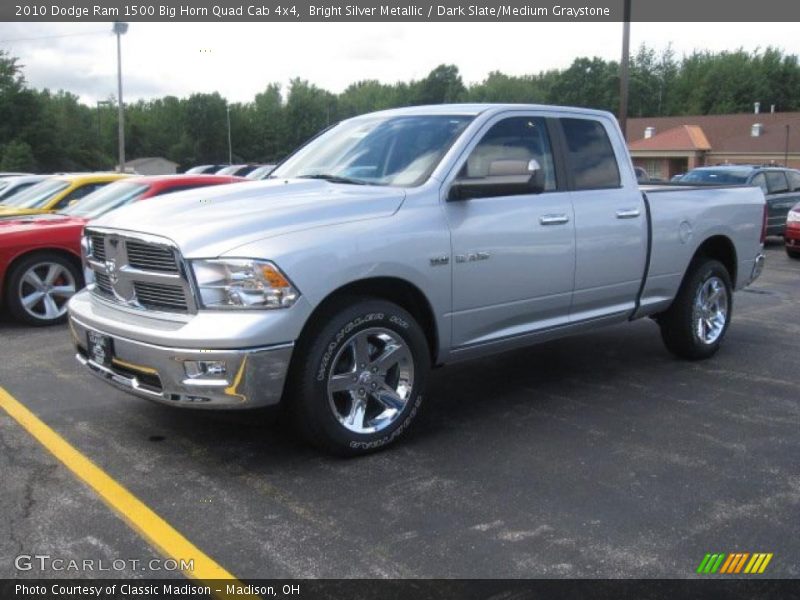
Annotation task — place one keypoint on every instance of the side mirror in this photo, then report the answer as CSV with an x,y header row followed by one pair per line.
x,y
505,177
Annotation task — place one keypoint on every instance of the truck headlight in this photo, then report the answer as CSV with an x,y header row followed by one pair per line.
x,y
242,283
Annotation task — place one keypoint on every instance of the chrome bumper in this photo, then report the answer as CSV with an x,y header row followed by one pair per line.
x,y
253,377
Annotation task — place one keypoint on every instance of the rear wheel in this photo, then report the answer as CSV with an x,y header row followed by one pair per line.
x,y
358,377
39,287
695,325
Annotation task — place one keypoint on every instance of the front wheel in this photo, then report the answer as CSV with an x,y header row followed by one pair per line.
x,y
695,325
358,376
791,253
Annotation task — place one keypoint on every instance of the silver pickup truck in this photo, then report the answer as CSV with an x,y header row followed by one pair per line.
x,y
399,241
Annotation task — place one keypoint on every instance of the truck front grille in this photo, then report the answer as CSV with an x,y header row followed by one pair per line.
x,y
98,246
151,258
103,284
157,296
144,272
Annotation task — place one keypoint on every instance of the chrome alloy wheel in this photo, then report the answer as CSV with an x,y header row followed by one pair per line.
x,y
44,290
371,380
710,310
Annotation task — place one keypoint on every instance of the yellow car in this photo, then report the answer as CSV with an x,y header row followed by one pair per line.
x,y
55,193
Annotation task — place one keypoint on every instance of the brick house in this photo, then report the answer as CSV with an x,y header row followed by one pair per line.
x,y
667,146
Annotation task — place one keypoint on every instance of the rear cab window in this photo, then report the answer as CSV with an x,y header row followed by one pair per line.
x,y
590,156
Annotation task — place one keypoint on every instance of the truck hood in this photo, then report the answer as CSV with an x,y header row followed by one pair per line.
x,y
213,221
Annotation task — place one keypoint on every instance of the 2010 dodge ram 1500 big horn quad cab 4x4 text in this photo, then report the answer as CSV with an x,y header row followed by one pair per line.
x,y
397,241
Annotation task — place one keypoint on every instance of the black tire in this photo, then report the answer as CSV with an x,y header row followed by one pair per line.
x,y
679,323
792,253
16,288
330,344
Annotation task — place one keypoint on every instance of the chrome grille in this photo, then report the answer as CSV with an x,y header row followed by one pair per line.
x,y
149,257
103,284
98,246
158,296
139,271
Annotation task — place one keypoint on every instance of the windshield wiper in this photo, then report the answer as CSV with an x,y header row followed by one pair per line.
x,y
333,178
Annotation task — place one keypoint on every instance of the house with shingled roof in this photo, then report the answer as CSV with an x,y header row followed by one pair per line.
x,y
668,146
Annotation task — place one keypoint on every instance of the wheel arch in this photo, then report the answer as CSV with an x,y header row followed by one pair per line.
x,y
392,289
720,247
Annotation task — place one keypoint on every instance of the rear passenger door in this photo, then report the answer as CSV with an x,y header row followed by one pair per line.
x,y
611,229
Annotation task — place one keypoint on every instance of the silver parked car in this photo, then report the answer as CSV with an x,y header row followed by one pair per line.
x,y
397,241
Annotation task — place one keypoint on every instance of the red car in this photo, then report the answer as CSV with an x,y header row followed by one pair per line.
x,y
792,232
40,255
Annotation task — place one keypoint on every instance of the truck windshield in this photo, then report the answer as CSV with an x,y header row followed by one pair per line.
x,y
717,176
37,195
380,150
106,199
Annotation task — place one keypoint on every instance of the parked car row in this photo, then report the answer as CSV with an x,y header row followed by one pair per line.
x,y
41,228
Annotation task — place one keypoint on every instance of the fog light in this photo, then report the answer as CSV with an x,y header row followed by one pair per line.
x,y
204,368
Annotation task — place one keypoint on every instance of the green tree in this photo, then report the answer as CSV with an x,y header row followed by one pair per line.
x,y
17,157
442,85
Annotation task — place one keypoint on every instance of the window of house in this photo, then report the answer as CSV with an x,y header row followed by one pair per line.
x,y
653,169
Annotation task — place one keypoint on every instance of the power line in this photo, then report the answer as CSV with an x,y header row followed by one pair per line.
x,y
50,37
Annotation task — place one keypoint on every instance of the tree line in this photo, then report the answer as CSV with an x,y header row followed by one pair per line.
x,y
47,131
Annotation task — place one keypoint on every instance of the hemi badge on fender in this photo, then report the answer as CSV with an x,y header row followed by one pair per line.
x,y
438,261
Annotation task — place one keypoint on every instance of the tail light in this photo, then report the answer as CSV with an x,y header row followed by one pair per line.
x,y
764,225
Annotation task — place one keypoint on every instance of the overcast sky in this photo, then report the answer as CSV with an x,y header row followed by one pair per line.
x,y
240,59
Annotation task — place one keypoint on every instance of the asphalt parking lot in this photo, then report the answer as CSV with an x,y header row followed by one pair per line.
x,y
595,456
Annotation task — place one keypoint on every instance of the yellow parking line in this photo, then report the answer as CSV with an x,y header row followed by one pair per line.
x,y
133,511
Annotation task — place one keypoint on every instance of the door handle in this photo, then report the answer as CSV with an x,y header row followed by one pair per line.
x,y
553,219
628,213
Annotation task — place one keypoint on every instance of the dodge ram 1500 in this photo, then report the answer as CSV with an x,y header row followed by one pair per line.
x,y
399,241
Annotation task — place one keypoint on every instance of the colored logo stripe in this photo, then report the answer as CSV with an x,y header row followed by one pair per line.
x,y
734,563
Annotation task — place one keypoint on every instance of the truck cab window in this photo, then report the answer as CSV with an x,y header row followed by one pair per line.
x,y
509,143
590,155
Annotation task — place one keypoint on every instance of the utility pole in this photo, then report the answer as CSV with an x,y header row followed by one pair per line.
x,y
120,29
99,130
623,68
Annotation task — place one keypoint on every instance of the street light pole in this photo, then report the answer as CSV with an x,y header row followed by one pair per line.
x,y
119,29
230,147
623,69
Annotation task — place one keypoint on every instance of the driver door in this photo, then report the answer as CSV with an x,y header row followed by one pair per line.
x,y
514,252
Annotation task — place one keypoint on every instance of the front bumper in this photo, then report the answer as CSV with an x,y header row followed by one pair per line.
x,y
254,377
